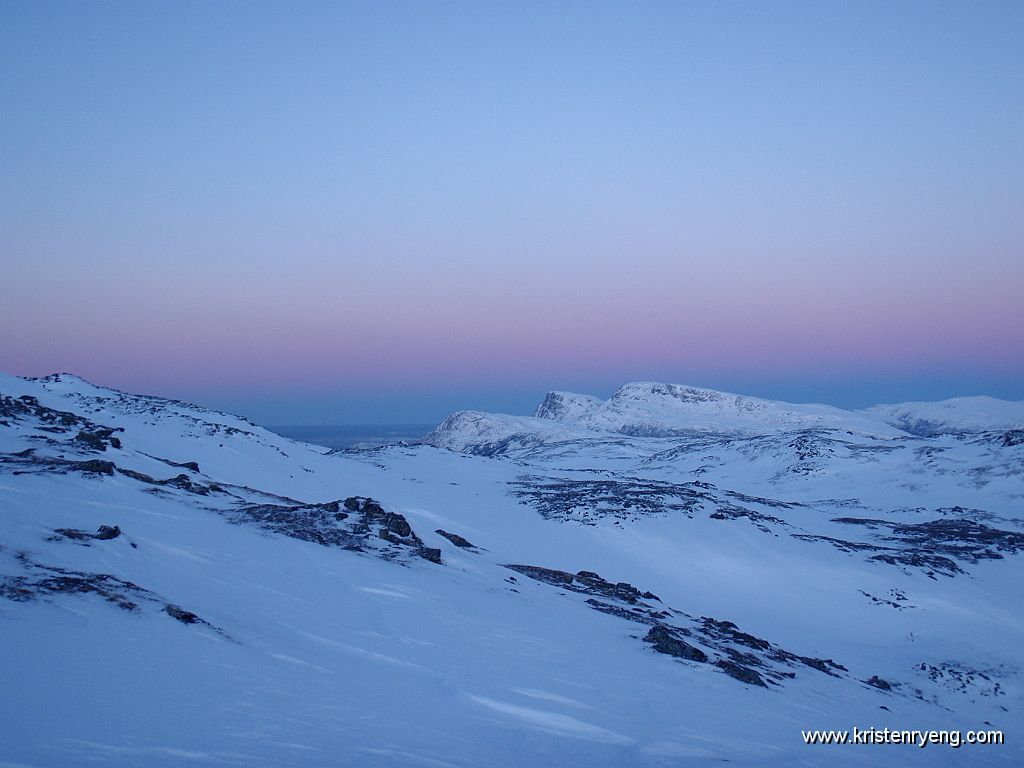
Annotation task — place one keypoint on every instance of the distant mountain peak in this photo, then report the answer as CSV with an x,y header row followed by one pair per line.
x,y
659,409
957,415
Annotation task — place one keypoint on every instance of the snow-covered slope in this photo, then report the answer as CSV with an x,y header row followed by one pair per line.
x,y
179,586
961,414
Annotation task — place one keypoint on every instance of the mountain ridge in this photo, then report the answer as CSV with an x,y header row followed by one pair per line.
x,y
660,410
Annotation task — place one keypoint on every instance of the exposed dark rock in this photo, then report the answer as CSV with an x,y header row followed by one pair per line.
x,y
185,483
548,575
182,481
734,512
373,511
71,533
728,630
879,683
665,641
103,533
632,498
142,477
926,562
41,582
90,436
94,466
965,540
397,524
899,602
309,522
91,440
1013,437
359,529
580,500
185,617
190,465
587,582
822,665
106,532
50,580
28,462
961,677
741,673
387,535
431,554
97,439
736,652
934,547
642,615
455,539
622,590
27,406
841,544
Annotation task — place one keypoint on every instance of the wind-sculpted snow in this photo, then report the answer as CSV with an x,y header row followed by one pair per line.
x,y
180,586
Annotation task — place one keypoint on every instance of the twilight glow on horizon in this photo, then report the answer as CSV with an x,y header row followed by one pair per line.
x,y
382,212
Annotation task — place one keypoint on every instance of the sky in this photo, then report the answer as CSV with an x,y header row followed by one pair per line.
x,y
381,212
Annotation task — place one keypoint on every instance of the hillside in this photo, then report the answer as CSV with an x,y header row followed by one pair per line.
x,y
181,586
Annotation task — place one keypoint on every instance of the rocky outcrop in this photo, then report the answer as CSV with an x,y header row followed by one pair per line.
x,y
182,482
48,583
741,655
879,683
42,581
666,641
358,523
103,533
185,617
741,673
455,539
934,547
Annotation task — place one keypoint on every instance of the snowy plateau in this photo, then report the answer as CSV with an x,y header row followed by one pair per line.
x,y
672,576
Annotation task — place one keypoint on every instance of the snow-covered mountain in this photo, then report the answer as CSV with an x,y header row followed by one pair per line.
x,y
650,409
662,410
959,415
488,433
669,577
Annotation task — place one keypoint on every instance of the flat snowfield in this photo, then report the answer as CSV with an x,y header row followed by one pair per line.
x,y
670,577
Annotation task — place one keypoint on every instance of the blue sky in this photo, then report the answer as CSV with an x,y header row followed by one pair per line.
x,y
380,212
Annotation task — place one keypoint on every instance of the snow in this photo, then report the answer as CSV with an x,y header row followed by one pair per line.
x,y
657,409
960,414
316,655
